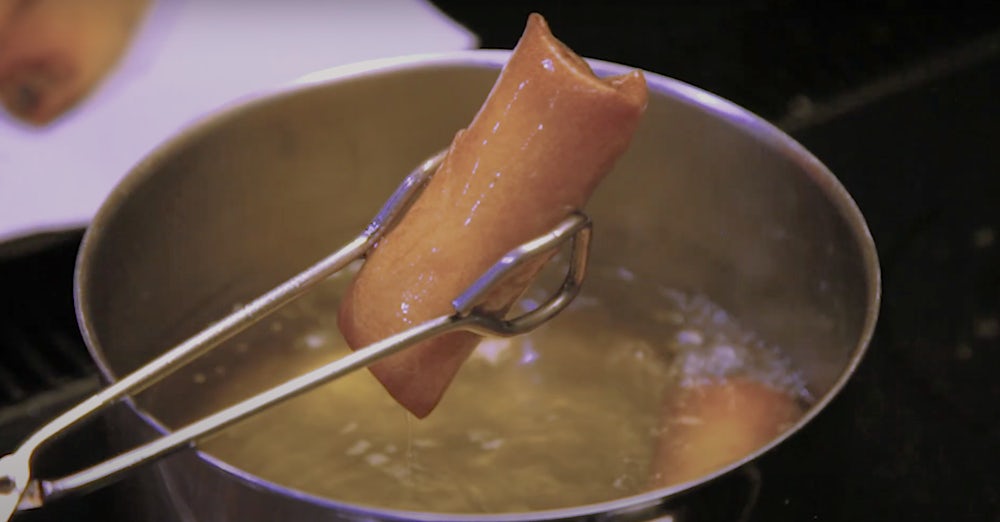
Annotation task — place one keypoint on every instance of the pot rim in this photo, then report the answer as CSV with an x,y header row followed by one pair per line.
x,y
493,59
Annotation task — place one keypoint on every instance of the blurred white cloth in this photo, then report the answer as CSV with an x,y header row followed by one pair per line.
x,y
190,57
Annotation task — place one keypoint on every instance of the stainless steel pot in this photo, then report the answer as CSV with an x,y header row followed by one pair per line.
x,y
710,198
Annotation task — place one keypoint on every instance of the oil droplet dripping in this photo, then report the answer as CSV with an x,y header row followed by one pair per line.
x,y
472,211
409,296
479,201
468,181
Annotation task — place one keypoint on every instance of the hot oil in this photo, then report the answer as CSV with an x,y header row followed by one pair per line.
x,y
567,415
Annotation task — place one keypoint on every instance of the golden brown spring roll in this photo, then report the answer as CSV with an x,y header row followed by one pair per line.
x,y
546,135
54,52
711,425
7,9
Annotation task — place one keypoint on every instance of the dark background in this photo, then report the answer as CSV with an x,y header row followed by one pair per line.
x,y
761,54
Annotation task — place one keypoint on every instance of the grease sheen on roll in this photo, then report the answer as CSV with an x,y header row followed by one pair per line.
x,y
547,134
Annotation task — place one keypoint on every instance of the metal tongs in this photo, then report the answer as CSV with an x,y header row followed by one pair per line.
x,y
20,491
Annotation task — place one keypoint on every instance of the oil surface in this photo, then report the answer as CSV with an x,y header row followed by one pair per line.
x,y
567,415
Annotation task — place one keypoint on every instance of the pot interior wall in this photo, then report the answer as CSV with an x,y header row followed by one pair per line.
x,y
707,200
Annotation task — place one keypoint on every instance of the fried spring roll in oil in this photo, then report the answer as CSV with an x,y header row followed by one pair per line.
x,y
55,52
711,425
547,133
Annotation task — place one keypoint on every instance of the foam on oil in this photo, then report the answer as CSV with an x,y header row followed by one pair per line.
x,y
566,415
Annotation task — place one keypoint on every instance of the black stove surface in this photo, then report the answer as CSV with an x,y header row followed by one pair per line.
x,y
915,432
912,134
